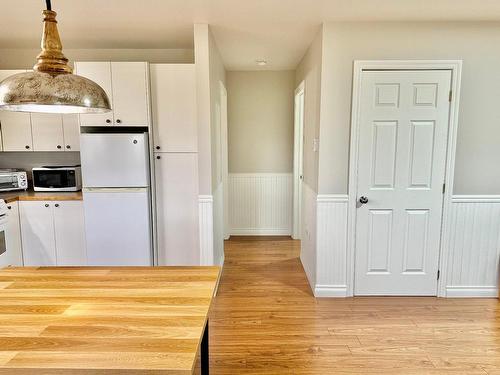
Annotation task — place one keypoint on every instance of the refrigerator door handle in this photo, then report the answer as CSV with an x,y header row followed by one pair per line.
x,y
115,190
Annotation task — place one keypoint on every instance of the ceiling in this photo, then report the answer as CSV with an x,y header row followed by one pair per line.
x,y
278,31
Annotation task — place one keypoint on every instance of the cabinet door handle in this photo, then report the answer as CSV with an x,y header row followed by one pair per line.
x,y
157,147
59,147
118,121
68,147
46,205
9,207
108,121
57,205
158,157
27,147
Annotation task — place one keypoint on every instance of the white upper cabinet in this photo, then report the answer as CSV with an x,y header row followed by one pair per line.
x,y
130,93
47,132
100,73
173,99
16,131
71,131
127,86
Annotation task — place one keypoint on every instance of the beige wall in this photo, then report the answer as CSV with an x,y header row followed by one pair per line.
x,y
260,117
477,168
309,71
25,58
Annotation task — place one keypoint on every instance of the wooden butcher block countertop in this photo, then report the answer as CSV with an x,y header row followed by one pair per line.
x,y
95,320
30,195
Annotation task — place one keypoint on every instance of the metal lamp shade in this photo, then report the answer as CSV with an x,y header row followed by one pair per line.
x,y
43,92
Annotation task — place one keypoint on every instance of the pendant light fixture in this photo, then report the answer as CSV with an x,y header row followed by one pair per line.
x,y
52,87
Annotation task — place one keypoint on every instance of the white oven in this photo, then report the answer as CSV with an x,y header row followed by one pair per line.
x,y
4,259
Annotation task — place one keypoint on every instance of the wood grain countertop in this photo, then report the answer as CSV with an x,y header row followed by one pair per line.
x,y
30,195
97,320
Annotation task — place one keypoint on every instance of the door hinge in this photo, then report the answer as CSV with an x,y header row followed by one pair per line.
x,y
444,188
450,96
439,272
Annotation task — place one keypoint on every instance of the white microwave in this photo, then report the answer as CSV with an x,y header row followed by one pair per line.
x,y
60,178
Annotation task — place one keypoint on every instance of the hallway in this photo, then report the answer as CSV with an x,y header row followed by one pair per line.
x,y
266,321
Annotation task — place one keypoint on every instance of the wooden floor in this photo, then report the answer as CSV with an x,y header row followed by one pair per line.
x,y
266,321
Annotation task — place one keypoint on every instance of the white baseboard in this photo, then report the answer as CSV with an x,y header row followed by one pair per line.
x,y
330,291
259,232
471,292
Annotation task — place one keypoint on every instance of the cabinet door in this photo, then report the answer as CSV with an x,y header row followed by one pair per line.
x,y
100,73
13,236
69,233
47,132
71,130
177,208
16,131
130,93
173,98
37,233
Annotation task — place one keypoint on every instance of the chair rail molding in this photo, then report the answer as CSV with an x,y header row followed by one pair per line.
x,y
205,205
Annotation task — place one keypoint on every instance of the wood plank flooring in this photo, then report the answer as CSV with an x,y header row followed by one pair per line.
x,y
266,321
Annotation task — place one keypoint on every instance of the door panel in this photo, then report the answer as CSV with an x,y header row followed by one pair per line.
x,y
47,132
115,160
130,93
401,169
71,130
100,73
69,233
37,232
173,95
176,177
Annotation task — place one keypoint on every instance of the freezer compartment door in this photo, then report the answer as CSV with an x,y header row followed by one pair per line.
x,y
114,160
118,227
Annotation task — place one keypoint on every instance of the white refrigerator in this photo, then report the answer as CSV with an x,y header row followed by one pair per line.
x,y
117,199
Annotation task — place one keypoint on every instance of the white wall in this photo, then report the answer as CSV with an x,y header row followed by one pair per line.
x,y
309,71
260,116
478,154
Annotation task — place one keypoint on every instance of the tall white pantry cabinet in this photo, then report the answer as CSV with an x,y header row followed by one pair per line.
x,y
173,98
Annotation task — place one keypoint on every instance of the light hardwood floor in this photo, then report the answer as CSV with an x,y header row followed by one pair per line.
x,y
266,321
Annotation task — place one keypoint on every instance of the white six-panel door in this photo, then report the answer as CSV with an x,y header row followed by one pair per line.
x,y
401,170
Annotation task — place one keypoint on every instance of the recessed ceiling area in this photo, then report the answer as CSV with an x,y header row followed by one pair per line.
x,y
278,31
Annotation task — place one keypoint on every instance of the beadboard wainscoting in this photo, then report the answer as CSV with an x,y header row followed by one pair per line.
x,y
473,246
206,212
260,203
331,276
308,238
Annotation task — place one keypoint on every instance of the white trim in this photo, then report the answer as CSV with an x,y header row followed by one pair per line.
x,y
259,232
298,146
359,66
205,207
471,291
476,198
330,291
332,198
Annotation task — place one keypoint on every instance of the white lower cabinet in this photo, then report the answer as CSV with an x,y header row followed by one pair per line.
x,y
52,233
13,236
176,179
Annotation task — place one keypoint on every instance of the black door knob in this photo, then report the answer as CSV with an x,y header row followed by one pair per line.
x,y
68,147
108,121
59,147
27,147
158,157
118,121
57,205
363,200
157,147
46,205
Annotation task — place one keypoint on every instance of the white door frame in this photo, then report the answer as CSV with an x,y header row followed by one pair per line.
x,y
456,74
298,154
224,158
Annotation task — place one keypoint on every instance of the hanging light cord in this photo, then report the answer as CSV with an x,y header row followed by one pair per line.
x,y
49,6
